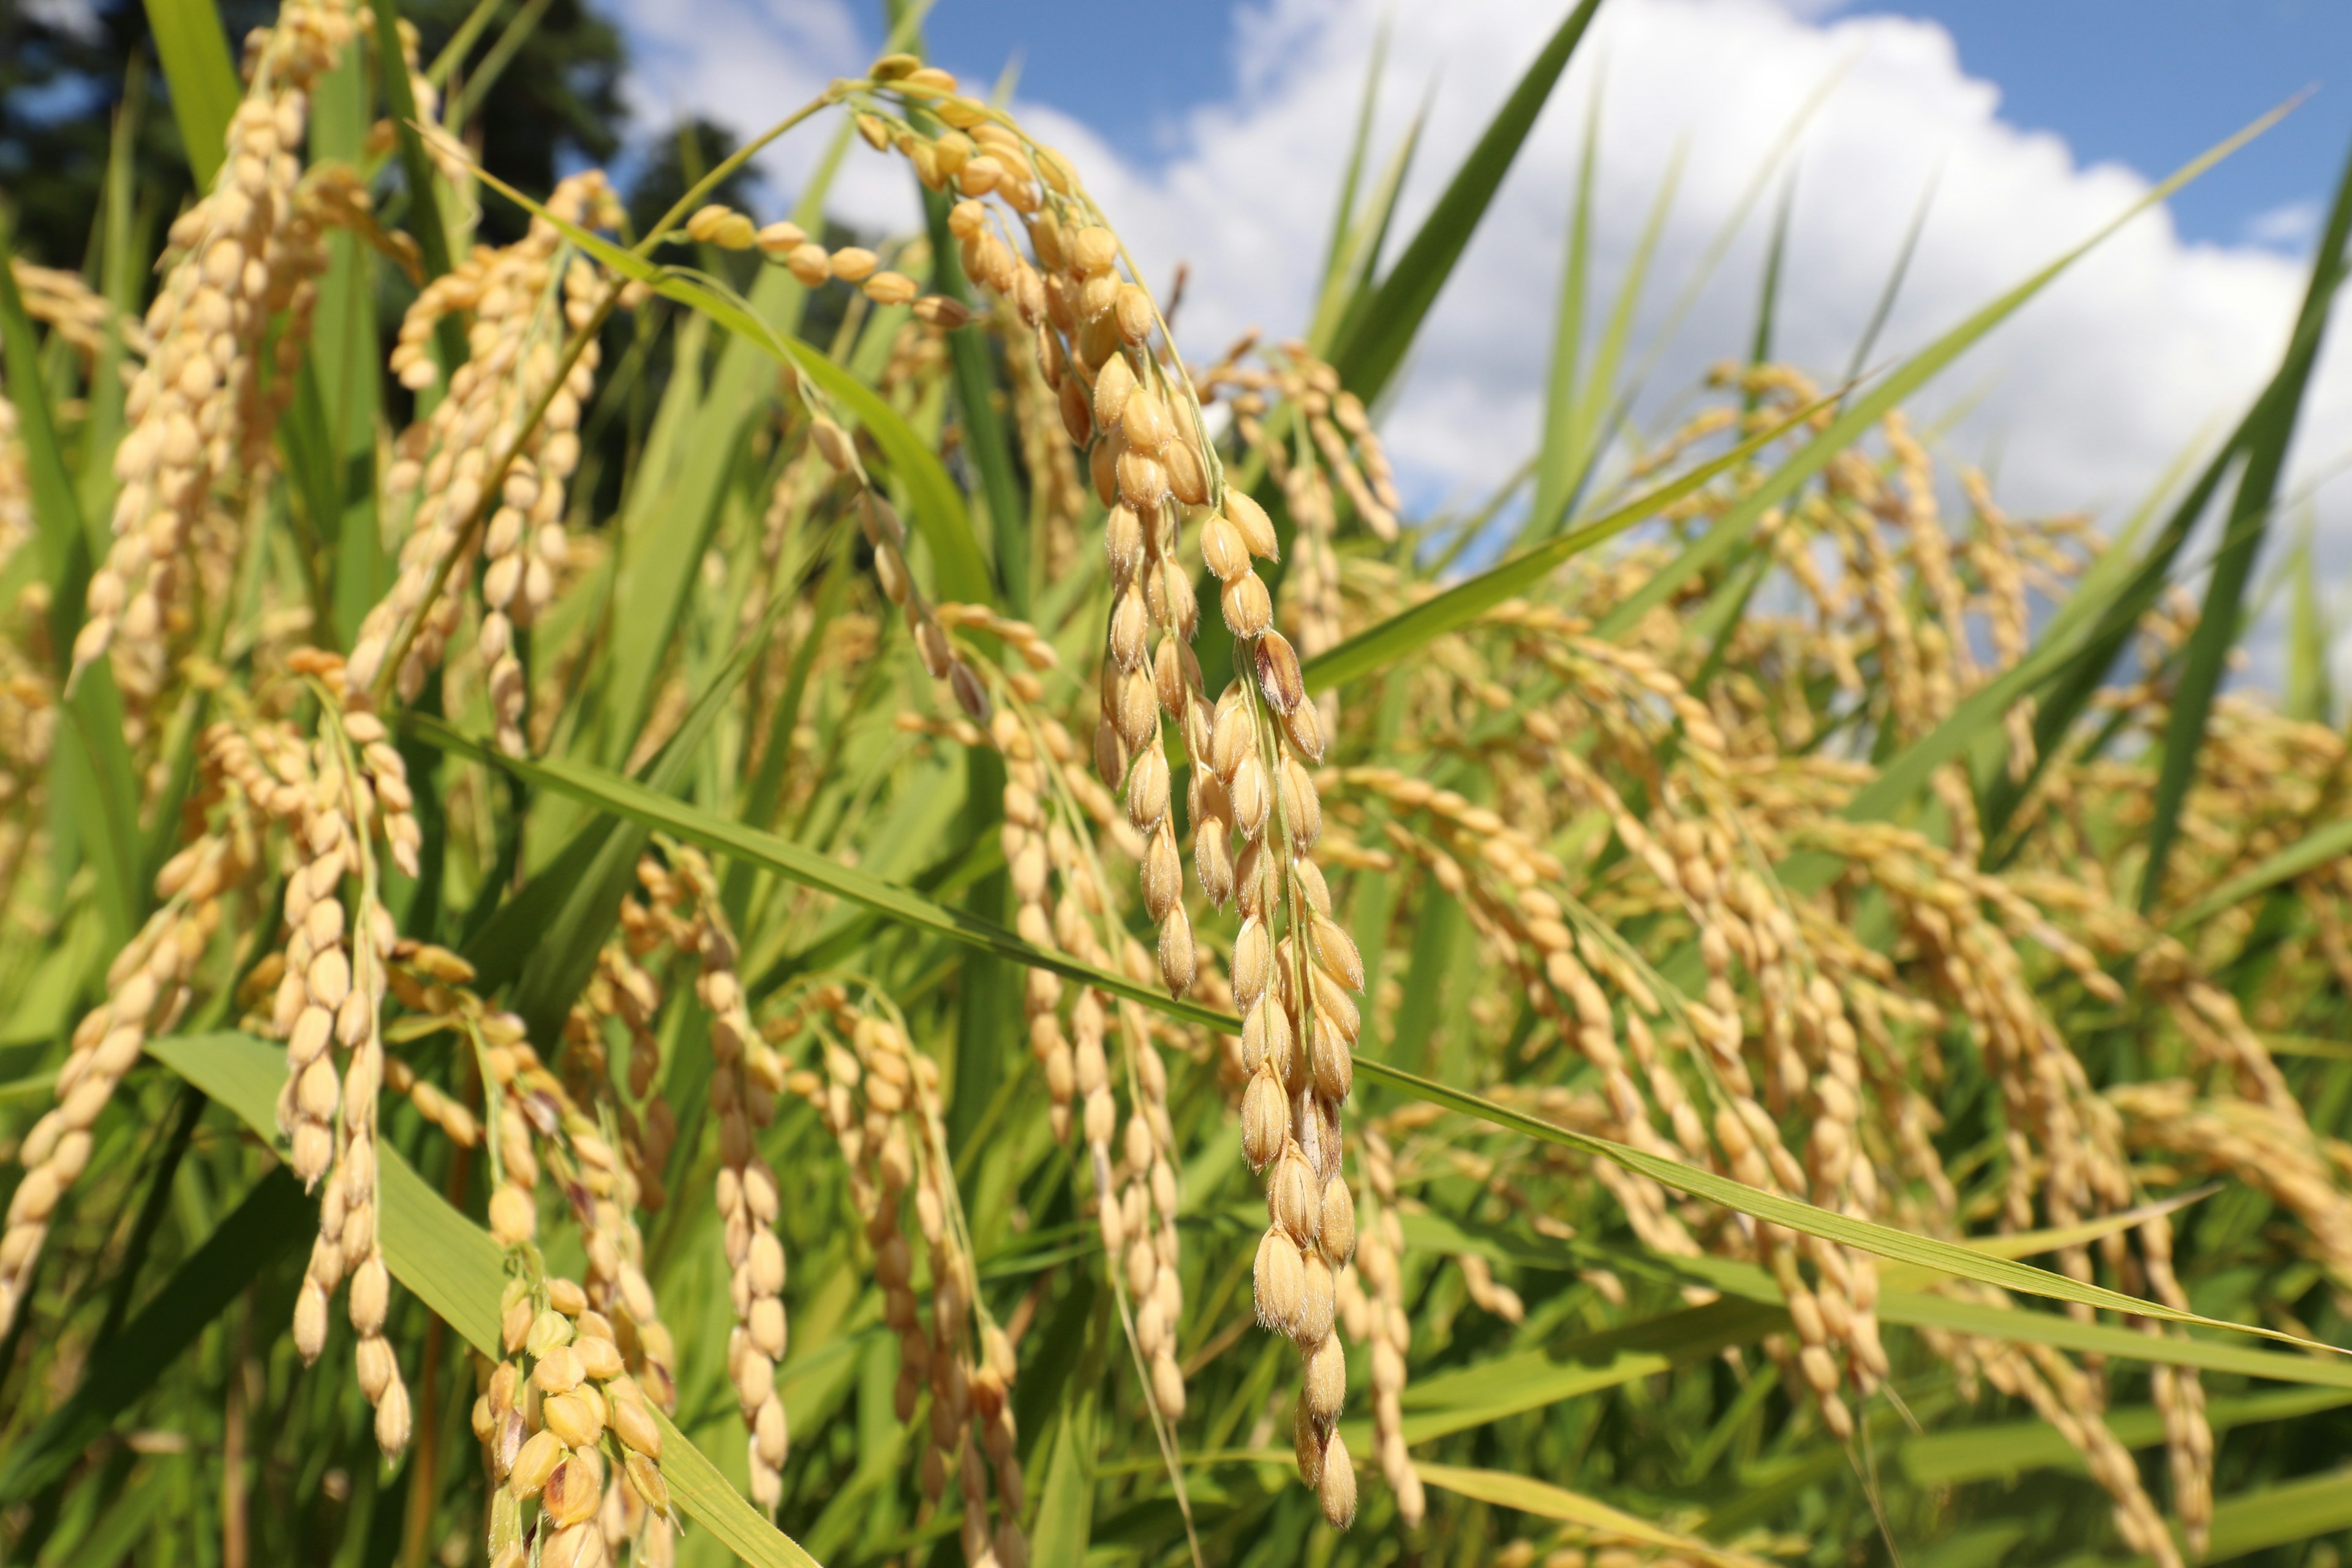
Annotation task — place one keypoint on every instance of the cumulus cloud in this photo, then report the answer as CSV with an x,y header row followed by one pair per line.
x,y
2290,226
2081,401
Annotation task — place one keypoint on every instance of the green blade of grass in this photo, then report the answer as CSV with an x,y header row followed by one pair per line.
x,y
1525,1494
1730,531
99,788
1922,1309
194,51
461,43
1362,252
1555,468
705,433
1776,255
666,531
59,542
122,263
1527,1380
1372,342
1882,1241
1066,1503
342,358
457,1271
2072,687
1335,247
2072,690
1463,1399
269,1222
608,792
2241,541
584,886
1586,435
1718,246
64,548
2314,850
2078,641
760,803
1893,287
2310,695
1402,635
500,55
2280,1515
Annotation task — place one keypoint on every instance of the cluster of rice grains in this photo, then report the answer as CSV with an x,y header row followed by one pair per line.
x,y
551,1414
880,1099
340,800
483,474
1124,397
1791,1049
746,1074
228,326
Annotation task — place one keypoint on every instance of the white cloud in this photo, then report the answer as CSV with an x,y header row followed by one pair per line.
x,y
2290,226
2085,395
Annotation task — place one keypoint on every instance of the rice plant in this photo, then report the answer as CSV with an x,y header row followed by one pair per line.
x,y
744,892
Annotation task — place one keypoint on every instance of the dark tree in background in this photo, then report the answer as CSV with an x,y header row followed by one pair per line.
x,y
556,106
64,65
674,161
63,70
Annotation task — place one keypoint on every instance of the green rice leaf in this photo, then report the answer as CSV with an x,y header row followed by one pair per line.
x,y
1359,250
1459,1400
1776,255
495,60
269,1222
1066,1505
1556,469
704,437
2218,624
1343,211
94,767
1582,436
194,48
2310,694
1402,635
1892,289
1526,1495
2093,650
1920,1309
1884,1241
584,885
1373,340
2275,1516
2313,851
627,799
666,530
63,547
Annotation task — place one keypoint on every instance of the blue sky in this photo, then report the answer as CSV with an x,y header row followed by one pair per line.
x,y
2152,83
2148,83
